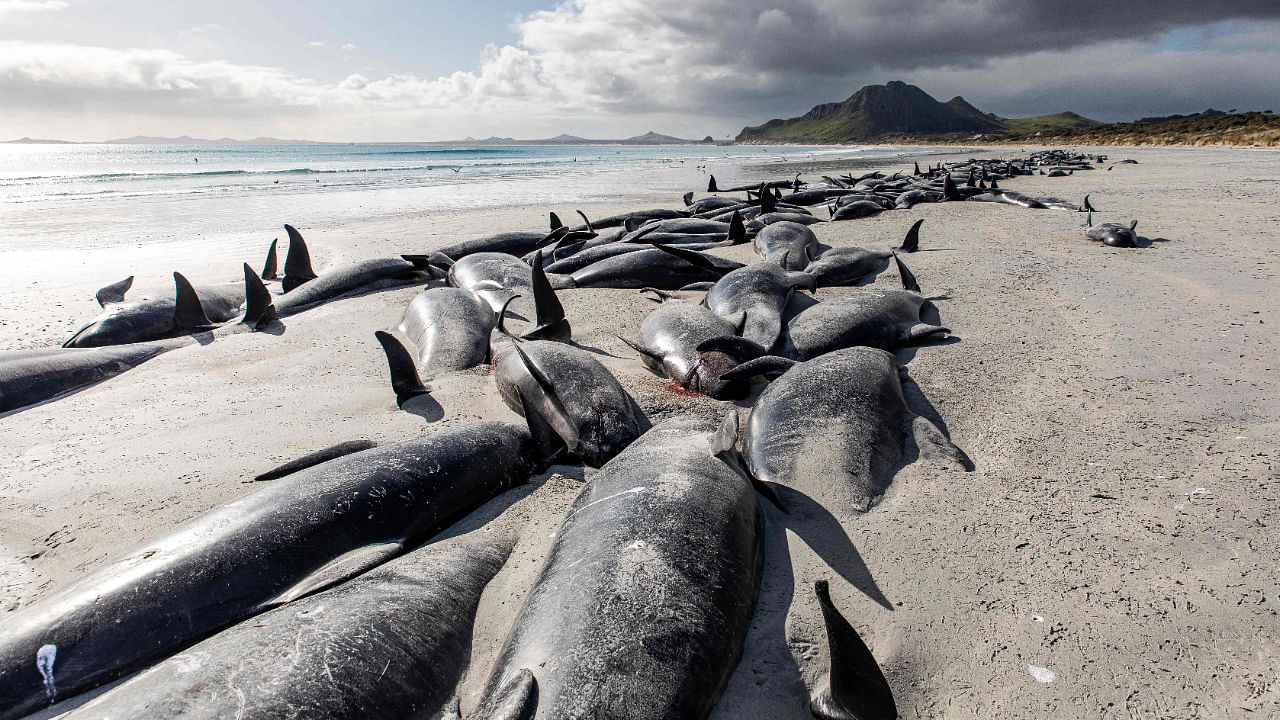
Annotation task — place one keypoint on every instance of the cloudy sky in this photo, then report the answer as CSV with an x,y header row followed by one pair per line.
x,y
440,69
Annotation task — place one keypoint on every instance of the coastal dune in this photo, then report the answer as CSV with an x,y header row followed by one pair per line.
x,y
1108,556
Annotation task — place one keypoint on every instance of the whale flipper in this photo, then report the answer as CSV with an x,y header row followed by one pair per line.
x,y
911,242
764,365
188,313
343,567
269,268
297,264
113,293
404,373
315,458
517,699
856,688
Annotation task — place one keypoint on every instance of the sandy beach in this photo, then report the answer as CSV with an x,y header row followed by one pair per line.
x,y
1110,556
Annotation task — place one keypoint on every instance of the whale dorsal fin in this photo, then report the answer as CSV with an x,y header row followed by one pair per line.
x,y
1087,205
688,198
695,259
911,242
259,310
856,686
711,186
297,263
737,230
554,221
908,279
768,203
405,380
269,268
188,313
113,293
584,219
549,313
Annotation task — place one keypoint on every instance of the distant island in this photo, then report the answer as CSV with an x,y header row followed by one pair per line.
x,y
900,113
649,138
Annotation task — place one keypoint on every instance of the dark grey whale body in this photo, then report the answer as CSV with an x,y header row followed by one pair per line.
x,y
163,316
672,342
449,327
884,319
390,643
642,608
752,298
31,376
294,536
794,241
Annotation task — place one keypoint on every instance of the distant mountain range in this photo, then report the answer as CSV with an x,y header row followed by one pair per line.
x,y
649,138
898,111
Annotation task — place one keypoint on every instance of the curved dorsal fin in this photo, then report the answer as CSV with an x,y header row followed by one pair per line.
x,y
188,313
269,268
688,198
404,373
911,242
908,279
502,315
297,264
548,313
711,186
259,310
584,219
856,687
695,259
737,230
555,221
114,292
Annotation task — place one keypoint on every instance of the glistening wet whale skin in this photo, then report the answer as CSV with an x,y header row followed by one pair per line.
x,y
449,327
642,608
662,267
752,298
390,643
296,535
796,241
832,428
31,376
567,390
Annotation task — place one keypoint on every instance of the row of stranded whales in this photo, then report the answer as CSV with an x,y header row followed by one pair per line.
x,y
307,597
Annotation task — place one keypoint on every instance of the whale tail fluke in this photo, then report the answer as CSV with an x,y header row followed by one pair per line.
x,y
297,263
856,688
188,313
259,310
404,372
911,242
269,268
113,293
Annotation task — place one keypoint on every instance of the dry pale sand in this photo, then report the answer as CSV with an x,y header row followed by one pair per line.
x,y
1112,555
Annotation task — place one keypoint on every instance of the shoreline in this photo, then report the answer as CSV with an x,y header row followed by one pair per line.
x,y
1121,408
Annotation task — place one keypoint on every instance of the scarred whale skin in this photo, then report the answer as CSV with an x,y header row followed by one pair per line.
x,y
642,608
390,643
298,534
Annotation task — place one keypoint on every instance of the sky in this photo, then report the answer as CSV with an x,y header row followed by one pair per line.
x,y
396,70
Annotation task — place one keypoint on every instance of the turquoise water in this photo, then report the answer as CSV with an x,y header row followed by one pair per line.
x,y
75,203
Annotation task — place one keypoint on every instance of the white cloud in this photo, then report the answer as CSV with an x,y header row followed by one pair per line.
x,y
16,6
685,66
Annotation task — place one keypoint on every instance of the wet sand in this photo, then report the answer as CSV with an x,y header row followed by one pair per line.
x,y
1109,556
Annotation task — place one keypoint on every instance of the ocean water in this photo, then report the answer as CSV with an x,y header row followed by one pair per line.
x,y
65,205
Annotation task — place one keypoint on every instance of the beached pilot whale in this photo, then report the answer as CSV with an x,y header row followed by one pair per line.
x,y
834,427
303,289
643,605
1113,234
693,346
391,643
752,299
294,536
184,312
28,377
